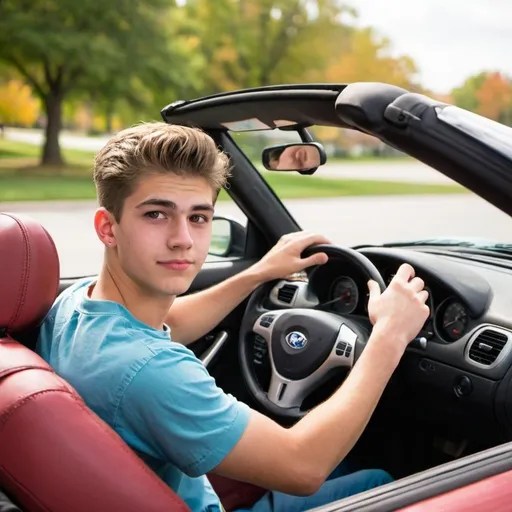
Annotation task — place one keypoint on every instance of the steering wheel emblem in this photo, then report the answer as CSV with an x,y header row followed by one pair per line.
x,y
296,340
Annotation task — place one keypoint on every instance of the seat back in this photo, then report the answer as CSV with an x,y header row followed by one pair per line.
x,y
56,455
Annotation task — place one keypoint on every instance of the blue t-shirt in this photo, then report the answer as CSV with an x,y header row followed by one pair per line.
x,y
153,392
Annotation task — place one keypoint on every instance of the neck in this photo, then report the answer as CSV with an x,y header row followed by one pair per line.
x,y
116,286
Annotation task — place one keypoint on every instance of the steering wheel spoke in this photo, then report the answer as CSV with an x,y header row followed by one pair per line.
x,y
288,393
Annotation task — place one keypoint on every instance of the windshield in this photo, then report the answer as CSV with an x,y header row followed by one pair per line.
x,y
369,193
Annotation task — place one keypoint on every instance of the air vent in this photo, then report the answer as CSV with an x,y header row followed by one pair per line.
x,y
487,347
286,293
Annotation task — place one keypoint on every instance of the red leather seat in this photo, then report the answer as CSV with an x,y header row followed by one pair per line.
x,y
56,455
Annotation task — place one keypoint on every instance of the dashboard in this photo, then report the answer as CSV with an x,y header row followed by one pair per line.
x,y
344,290
465,366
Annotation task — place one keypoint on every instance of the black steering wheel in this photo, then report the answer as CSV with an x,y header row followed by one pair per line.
x,y
304,345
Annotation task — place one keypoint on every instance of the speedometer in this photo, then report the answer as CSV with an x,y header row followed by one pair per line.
x,y
346,291
454,320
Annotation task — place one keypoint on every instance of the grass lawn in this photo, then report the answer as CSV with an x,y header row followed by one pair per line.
x,y
367,159
22,180
29,154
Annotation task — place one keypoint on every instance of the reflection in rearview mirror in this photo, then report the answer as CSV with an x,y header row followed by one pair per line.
x,y
303,156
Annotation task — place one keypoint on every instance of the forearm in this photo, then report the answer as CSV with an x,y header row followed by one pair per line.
x,y
192,316
328,433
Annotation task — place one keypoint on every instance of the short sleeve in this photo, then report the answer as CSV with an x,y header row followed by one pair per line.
x,y
173,410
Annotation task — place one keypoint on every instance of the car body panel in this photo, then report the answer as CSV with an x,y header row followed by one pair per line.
x,y
493,494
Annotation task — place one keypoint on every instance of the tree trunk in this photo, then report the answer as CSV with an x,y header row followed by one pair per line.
x,y
51,150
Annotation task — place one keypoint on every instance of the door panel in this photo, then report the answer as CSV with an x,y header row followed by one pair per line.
x,y
435,482
493,494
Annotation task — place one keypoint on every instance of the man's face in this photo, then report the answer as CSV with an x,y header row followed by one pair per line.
x,y
299,157
164,232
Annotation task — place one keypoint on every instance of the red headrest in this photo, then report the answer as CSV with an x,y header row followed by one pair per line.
x,y
29,272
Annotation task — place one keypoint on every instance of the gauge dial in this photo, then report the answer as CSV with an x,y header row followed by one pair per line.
x,y
345,289
455,320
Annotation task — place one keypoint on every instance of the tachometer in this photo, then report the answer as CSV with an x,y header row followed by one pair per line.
x,y
455,320
345,289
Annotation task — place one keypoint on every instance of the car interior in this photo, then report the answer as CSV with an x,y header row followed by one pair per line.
x,y
448,401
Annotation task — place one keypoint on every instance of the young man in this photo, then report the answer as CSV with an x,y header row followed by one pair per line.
x,y
110,337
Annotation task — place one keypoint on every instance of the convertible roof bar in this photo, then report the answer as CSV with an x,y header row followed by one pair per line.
x,y
261,108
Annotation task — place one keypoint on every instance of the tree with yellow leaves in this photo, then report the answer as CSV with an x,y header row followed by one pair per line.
x,y
368,58
18,106
495,98
489,94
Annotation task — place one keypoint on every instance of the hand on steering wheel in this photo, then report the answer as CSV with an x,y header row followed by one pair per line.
x,y
304,344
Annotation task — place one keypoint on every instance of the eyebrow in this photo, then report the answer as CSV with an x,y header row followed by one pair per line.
x,y
165,203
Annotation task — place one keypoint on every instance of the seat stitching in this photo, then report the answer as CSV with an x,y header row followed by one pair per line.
x,y
16,369
26,268
7,413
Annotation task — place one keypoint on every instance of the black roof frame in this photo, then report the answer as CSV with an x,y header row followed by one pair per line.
x,y
305,104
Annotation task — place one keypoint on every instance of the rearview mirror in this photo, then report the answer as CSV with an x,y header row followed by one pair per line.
x,y
305,156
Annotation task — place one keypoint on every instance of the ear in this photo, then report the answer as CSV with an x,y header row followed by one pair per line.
x,y
104,223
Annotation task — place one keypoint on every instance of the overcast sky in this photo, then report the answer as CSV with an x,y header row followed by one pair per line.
x,y
448,39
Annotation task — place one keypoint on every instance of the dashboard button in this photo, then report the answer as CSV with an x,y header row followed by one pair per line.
x,y
340,348
267,320
463,386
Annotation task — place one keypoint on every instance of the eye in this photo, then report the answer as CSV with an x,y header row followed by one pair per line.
x,y
154,215
198,219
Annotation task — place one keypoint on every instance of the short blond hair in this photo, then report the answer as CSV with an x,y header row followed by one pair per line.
x,y
155,148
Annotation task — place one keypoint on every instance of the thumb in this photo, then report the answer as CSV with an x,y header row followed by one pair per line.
x,y
374,288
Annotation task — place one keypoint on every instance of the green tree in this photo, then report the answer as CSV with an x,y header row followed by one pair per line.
x,y
465,96
68,47
251,43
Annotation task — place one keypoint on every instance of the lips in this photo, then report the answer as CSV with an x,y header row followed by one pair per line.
x,y
176,264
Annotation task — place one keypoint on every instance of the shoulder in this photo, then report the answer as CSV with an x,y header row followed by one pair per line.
x,y
68,299
173,365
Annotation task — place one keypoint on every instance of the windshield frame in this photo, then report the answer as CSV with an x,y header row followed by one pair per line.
x,y
494,135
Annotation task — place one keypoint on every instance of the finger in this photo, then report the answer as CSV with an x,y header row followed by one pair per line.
x,y
423,296
405,273
374,289
295,234
290,238
307,239
316,259
417,284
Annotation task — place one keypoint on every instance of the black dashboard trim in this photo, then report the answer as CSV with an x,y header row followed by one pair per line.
x,y
462,282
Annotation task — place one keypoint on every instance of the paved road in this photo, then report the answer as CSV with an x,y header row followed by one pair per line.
x,y
67,140
406,171
346,221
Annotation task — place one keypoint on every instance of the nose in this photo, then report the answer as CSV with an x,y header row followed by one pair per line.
x,y
179,236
